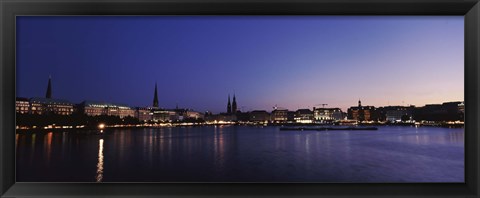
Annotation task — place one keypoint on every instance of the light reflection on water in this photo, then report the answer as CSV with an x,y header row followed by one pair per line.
x,y
99,176
243,153
47,146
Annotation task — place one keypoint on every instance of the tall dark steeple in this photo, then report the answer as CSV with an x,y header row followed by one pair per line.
x,y
359,103
234,105
229,107
49,88
155,97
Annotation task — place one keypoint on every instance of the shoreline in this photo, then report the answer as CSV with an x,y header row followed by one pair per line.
x,y
68,129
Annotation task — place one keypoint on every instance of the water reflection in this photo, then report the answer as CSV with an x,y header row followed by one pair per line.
x,y
47,146
99,176
242,154
427,138
219,147
32,152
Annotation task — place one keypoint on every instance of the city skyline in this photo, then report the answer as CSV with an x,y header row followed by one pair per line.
x,y
231,106
97,58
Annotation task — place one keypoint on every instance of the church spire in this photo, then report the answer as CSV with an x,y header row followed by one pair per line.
x,y
359,103
49,88
234,105
229,107
155,97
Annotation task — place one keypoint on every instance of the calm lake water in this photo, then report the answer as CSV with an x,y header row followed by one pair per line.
x,y
242,154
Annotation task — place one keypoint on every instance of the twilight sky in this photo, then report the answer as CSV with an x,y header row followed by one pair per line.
x,y
289,61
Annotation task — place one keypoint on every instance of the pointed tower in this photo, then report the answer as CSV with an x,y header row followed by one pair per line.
x,y
234,105
49,88
155,97
361,112
229,107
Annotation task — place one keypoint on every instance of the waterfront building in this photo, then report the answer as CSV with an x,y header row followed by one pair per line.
x,y
164,115
279,115
44,106
144,114
396,115
461,110
22,105
157,114
225,117
48,105
259,116
338,114
92,108
184,113
327,114
242,116
448,111
382,112
121,111
304,116
453,107
362,113
194,115
461,107
291,116
207,115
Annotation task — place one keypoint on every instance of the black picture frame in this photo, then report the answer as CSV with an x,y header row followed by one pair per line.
x,y
11,8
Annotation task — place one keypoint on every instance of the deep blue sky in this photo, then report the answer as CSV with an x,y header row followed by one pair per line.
x,y
292,61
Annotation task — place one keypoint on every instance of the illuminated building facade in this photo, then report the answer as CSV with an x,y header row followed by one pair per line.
x,y
163,115
50,106
92,108
327,114
194,115
22,105
279,115
143,114
304,116
220,117
362,113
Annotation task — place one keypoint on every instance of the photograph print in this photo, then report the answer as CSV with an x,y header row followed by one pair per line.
x,y
311,99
